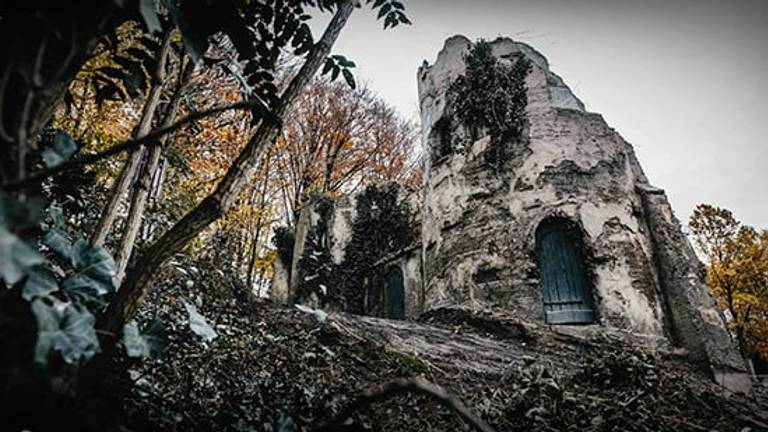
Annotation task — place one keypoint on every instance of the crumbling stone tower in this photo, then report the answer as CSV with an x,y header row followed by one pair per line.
x,y
566,229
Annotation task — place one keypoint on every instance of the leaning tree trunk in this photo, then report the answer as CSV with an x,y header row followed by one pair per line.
x,y
144,183
259,225
136,284
128,173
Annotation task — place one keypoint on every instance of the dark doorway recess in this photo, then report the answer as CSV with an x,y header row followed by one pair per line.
x,y
565,287
395,293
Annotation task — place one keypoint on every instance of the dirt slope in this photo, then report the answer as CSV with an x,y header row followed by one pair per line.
x,y
283,369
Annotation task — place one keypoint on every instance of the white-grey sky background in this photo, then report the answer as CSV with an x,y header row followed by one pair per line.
x,y
685,81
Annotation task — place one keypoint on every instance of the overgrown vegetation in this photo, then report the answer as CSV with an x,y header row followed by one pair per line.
x,y
134,78
737,272
381,226
317,271
298,371
491,98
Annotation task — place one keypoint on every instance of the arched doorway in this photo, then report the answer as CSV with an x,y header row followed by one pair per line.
x,y
565,287
394,295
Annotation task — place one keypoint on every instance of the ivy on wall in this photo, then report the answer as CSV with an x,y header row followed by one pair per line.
x,y
283,240
491,95
316,268
380,228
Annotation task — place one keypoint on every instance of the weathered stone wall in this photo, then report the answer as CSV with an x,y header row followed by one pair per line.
x,y
696,321
479,223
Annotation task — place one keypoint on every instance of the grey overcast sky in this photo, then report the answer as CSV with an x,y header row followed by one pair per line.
x,y
685,81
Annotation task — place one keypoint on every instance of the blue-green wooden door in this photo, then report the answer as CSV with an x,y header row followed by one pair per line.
x,y
394,295
565,287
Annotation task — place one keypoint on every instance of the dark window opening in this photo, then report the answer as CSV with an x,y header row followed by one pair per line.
x,y
394,294
440,140
565,286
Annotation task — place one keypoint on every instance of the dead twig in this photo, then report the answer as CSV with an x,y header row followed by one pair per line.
x,y
402,386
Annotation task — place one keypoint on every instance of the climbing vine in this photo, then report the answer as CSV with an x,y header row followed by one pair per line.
x,y
283,241
381,227
316,268
491,95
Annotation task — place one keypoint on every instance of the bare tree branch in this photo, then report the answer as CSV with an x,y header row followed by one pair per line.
x,y
150,139
402,386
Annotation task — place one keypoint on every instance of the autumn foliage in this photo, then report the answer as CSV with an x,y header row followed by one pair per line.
x,y
335,139
338,139
737,272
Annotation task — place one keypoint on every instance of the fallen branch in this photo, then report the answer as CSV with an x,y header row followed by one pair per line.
x,y
402,386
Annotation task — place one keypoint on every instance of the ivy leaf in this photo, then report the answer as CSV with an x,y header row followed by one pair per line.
x,y
40,282
84,291
15,214
384,10
57,217
149,15
55,237
403,18
195,40
349,78
95,263
327,66
151,343
343,61
64,328
95,269
63,147
198,324
16,256
58,243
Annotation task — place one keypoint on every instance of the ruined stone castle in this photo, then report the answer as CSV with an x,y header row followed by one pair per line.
x,y
565,230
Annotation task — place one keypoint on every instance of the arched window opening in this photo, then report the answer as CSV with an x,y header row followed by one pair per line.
x,y
565,286
394,294
440,140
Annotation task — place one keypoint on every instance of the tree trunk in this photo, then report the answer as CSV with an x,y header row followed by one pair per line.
x,y
154,194
136,284
143,185
128,173
259,223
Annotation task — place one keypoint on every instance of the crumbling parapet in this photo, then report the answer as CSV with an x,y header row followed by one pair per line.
x,y
697,321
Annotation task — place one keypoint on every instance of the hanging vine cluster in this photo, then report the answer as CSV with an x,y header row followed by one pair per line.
x,y
491,95
316,268
381,227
